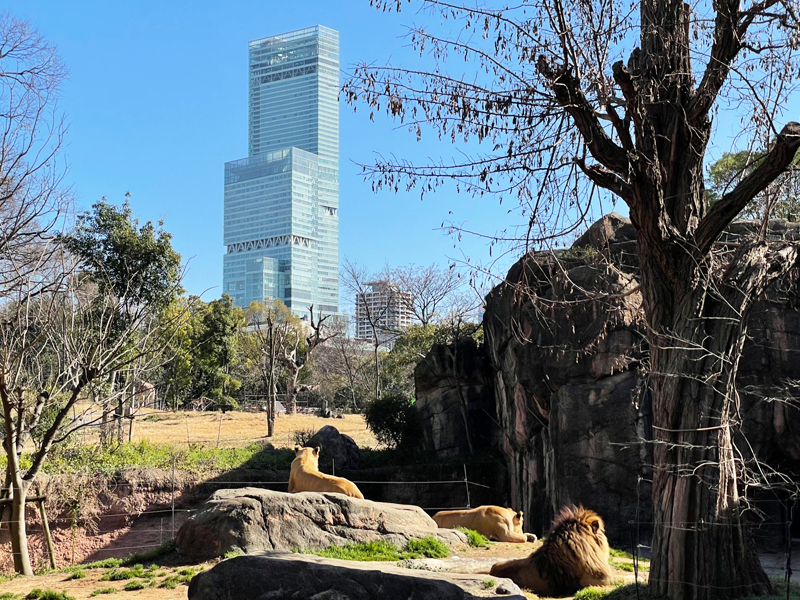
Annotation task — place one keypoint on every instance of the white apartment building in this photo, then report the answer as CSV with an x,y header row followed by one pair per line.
x,y
387,307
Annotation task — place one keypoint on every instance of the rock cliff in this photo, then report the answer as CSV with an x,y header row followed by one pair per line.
x,y
565,346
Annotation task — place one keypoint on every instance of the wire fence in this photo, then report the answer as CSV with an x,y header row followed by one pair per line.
x,y
172,513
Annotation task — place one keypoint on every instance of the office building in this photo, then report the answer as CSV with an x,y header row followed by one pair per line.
x,y
385,306
281,227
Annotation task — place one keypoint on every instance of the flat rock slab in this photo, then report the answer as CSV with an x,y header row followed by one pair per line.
x,y
281,576
454,564
253,520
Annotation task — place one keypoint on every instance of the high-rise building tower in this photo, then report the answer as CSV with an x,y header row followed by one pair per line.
x,y
281,226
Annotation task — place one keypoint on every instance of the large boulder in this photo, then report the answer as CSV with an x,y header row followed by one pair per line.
x,y
253,519
339,451
454,381
299,577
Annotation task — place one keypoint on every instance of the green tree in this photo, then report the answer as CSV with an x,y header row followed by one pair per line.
x,y
134,263
780,200
215,335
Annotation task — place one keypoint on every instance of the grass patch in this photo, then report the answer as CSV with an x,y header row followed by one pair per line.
x,y
170,583
10,596
134,585
75,573
149,556
489,583
38,594
428,546
105,590
106,563
233,554
196,458
380,550
474,539
620,553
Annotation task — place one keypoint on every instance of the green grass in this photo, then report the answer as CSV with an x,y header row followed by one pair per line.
x,y
474,539
136,571
106,563
39,594
10,596
105,590
233,554
75,573
489,583
197,458
380,550
147,557
428,546
620,553
134,585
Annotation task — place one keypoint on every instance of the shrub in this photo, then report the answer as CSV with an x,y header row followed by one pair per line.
x,y
302,436
395,422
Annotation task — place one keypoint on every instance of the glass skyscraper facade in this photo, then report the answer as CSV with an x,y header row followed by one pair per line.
x,y
281,229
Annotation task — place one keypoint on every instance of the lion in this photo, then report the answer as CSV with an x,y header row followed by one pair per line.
x,y
305,476
495,522
573,556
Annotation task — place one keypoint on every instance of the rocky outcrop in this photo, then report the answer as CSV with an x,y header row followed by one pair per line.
x,y
252,520
455,399
564,334
339,450
299,577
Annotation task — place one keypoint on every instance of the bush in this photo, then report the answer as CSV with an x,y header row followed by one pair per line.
x,y
395,422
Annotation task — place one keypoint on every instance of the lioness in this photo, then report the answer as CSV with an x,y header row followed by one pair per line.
x,y
495,522
305,476
574,555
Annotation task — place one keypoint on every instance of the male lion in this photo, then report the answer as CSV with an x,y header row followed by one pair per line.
x,y
305,476
495,522
573,556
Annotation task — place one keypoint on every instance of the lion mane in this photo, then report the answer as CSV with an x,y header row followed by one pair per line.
x,y
305,476
573,556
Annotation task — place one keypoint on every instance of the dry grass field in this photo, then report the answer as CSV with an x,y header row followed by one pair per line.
x,y
235,429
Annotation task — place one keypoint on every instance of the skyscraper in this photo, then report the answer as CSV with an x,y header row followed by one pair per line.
x,y
281,228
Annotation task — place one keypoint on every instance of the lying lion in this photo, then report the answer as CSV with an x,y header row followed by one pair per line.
x,y
305,476
573,556
495,522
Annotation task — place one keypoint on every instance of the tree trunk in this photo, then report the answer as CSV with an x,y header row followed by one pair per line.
x,y
701,544
19,534
291,387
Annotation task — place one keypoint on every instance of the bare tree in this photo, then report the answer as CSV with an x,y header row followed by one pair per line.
x,y
567,124
273,326
295,358
432,290
373,307
57,347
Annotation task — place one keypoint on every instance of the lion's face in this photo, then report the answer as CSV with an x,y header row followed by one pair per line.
x,y
517,522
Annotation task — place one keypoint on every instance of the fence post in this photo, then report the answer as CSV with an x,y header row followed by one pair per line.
x,y
51,553
789,520
466,485
173,496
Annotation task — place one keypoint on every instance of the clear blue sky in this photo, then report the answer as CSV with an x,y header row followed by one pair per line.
x,y
157,102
